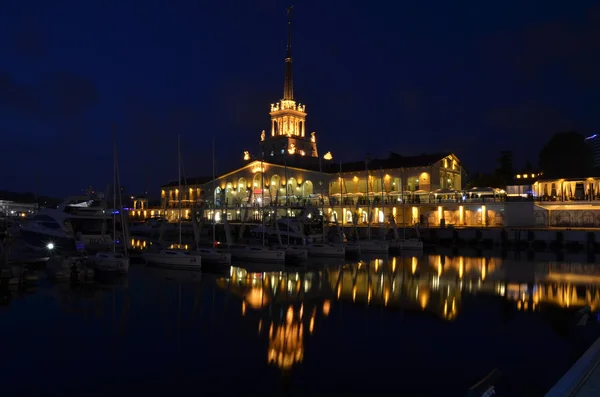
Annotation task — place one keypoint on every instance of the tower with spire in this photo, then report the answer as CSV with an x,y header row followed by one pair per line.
x,y
288,118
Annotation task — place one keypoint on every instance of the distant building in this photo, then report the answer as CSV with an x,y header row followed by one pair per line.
x,y
12,209
594,142
523,184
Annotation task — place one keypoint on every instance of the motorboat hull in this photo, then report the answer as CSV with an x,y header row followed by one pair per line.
x,y
296,253
374,247
214,256
256,254
179,263
326,251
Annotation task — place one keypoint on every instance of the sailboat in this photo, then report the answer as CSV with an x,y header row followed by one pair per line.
x,y
351,248
324,249
115,260
292,252
175,258
209,255
372,246
403,243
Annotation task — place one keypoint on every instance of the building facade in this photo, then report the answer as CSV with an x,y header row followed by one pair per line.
x,y
289,174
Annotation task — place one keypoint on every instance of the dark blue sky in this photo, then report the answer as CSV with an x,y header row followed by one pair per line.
x,y
469,77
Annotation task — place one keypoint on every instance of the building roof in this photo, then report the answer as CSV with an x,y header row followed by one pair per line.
x,y
395,160
189,181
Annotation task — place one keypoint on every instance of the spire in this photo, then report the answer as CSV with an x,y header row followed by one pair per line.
x,y
288,87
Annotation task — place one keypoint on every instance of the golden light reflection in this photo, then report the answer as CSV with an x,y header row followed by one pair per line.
x,y
435,286
326,307
286,341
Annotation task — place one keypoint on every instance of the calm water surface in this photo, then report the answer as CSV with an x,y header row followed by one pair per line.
x,y
426,326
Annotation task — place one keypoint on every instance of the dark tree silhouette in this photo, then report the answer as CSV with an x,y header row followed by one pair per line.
x,y
529,167
505,171
566,155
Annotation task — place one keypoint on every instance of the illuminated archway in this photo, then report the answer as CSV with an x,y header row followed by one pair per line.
x,y
217,196
274,186
291,187
307,188
229,194
242,185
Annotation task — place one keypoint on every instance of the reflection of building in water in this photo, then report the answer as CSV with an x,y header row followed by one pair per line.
x,y
294,293
400,283
433,284
565,285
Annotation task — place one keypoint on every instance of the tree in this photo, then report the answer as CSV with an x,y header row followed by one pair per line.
x,y
505,170
566,155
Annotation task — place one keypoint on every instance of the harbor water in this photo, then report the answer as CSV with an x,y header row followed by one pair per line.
x,y
426,325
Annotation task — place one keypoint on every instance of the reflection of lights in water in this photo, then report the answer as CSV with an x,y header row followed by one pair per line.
x,y
286,343
243,308
414,264
394,265
326,307
423,298
289,317
256,298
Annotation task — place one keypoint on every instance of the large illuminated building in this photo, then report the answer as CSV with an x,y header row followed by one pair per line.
x,y
289,172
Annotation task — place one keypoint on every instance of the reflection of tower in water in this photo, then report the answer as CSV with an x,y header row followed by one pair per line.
x,y
286,341
296,297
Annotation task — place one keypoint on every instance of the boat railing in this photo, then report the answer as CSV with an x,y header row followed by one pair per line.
x,y
486,386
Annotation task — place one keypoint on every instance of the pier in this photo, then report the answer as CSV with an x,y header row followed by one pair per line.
x,y
583,379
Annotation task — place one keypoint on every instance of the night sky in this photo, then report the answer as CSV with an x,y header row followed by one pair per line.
x,y
413,77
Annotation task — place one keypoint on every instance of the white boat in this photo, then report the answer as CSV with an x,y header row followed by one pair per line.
x,y
63,268
257,253
293,252
77,218
173,259
410,244
289,230
214,255
374,247
352,248
114,261
326,250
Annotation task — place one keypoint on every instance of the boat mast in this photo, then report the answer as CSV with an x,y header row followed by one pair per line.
x,y
262,193
214,226
382,194
124,230
287,205
341,183
179,182
403,208
114,235
322,202
368,202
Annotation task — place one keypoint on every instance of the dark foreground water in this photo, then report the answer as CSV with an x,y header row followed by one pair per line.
x,y
423,326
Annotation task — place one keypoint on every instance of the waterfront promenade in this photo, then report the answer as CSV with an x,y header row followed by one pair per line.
x,y
583,379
